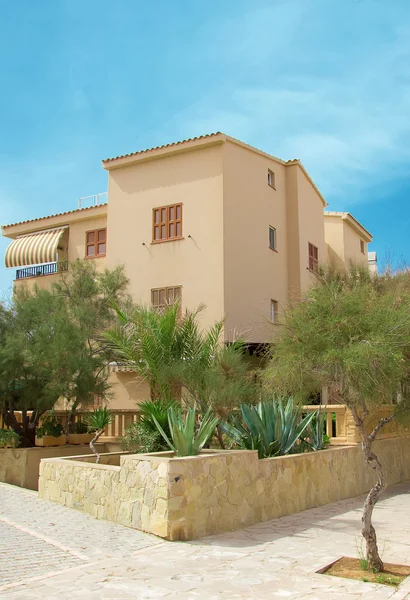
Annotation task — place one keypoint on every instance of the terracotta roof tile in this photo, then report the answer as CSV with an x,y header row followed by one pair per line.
x,y
68,212
200,137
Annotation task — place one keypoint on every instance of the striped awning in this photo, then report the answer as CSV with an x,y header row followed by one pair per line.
x,y
34,249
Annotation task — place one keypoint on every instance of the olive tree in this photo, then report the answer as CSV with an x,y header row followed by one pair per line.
x,y
351,333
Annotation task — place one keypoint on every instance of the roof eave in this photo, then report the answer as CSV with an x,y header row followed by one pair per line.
x,y
59,219
352,222
155,153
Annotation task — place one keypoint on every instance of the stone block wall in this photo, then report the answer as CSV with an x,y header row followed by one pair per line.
x,y
188,498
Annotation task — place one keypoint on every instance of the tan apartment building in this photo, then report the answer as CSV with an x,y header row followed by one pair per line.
x,y
207,220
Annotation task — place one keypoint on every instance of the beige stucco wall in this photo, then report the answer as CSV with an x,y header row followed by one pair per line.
x,y
343,241
253,273
310,225
352,251
334,240
188,498
76,246
195,180
127,391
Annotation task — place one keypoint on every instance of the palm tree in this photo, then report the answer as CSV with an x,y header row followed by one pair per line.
x,y
153,343
172,354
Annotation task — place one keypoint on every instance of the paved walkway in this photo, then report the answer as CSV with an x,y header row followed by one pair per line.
x,y
49,551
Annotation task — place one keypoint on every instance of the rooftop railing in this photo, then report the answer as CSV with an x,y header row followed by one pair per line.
x,y
93,200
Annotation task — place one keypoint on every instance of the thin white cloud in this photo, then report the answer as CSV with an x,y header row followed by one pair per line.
x,y
343,109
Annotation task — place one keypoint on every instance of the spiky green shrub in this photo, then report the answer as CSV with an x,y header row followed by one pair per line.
x,y
315,433
184,440
98,420
272,428
158,409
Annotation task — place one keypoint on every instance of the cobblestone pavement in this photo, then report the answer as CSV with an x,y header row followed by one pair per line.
x,y
49,551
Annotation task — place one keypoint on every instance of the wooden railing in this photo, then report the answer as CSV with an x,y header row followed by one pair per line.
x,y
340,426
335,421
122,418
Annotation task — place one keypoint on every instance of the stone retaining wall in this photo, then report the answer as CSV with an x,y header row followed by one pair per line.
x,y
187,498
20,466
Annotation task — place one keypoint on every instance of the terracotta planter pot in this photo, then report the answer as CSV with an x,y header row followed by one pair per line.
x,y
80,438
49,440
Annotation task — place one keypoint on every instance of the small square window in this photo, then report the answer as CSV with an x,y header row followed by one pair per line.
x,y
95,243
273,311
272,238
362,247
271,179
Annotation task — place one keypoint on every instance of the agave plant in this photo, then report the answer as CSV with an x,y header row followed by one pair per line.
x,y
316,430
185,441
98,421
272,428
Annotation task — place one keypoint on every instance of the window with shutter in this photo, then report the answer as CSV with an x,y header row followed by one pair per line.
x,y
95,243
313,257
167,223
166,296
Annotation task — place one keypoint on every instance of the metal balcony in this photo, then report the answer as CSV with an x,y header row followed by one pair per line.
x,y
49,269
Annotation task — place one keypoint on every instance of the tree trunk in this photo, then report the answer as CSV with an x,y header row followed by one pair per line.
x,y
375,563
220,437
95,438
25,430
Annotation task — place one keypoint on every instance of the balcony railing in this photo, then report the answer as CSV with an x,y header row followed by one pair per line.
x,y
49,269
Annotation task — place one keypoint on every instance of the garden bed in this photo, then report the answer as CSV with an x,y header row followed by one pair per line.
x,y
20,466
190,497
352,568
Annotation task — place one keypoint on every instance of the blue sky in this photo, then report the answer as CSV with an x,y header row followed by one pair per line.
x,y
321,80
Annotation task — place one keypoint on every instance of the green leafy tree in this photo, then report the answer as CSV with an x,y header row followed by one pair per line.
x,y
351,333
35,342
50,345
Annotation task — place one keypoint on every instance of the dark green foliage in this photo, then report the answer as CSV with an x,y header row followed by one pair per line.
x,y
50,425
78,427
272,428
8,438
